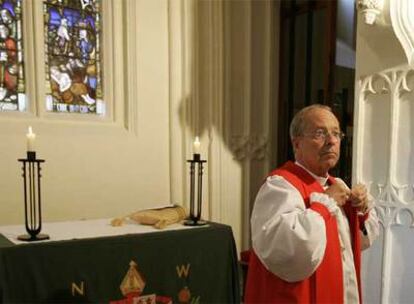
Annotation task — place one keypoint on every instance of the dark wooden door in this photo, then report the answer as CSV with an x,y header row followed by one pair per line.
x,y
307,68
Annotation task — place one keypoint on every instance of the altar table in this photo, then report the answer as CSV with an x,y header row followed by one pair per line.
x,y
178,265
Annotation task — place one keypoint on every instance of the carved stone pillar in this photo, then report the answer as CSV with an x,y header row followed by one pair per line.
x,y
222,90
383,149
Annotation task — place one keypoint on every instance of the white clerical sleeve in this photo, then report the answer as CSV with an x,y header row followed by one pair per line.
x,y
288,238
371,225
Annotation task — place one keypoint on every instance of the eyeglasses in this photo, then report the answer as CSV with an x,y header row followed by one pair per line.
x,y
322,134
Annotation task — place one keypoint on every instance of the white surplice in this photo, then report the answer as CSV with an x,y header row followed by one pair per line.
x,y
290,239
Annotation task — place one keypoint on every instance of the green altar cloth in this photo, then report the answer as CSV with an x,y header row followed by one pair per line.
x,y
197,265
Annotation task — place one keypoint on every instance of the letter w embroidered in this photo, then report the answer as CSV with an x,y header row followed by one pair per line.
x,y
183,270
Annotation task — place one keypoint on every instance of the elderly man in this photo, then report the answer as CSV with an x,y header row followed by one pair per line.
x,y
308,228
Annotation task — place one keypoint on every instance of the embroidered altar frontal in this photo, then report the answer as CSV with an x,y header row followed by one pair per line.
x,y
189,266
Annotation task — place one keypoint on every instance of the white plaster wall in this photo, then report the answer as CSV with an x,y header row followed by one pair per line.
x,y
175,69
108,167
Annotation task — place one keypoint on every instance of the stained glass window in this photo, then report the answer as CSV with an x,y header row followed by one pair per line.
x,y
73,55
12,86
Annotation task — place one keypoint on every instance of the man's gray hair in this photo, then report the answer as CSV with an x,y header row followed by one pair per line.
x,y
298,124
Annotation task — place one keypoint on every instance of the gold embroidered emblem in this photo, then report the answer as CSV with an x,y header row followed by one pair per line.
x,y
133,285
133,282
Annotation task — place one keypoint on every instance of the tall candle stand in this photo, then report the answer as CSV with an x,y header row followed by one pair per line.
x,y
195,211
32,198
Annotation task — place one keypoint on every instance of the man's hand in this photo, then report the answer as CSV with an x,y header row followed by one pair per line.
x,y
359,197
339,192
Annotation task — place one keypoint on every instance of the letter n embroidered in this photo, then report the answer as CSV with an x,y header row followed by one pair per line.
x,y
78,289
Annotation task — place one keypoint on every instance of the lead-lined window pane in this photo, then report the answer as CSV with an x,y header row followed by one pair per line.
x,y
12,82
73,58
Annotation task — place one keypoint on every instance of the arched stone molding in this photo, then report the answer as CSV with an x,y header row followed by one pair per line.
x,y
250,147
393,198
399,14
394,84
402,20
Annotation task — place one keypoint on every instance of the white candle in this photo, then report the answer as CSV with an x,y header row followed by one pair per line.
x,y
196,145
30,140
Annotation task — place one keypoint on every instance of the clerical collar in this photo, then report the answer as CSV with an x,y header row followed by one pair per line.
x,y
321,180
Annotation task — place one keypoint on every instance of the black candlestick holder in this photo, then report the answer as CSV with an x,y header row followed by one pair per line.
x,y
32,198
195,211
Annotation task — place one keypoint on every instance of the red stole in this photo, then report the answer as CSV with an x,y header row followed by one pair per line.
x,y
326,283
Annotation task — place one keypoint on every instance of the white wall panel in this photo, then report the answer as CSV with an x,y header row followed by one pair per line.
x,y
104,166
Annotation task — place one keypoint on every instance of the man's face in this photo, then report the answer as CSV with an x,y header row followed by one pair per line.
x,y
318,154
